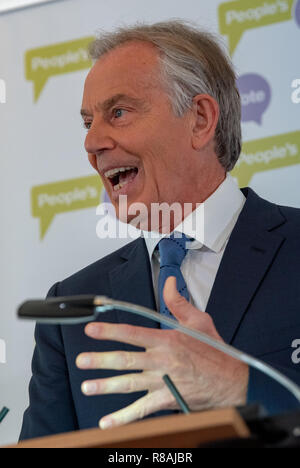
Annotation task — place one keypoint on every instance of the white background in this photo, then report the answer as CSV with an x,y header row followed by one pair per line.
x,y
43,142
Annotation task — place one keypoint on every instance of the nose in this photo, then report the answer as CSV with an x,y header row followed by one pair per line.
x,y
98,139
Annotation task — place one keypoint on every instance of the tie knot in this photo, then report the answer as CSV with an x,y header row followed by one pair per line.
x,y
173,249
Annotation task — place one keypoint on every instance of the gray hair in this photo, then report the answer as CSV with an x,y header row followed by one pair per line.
x,y
192,62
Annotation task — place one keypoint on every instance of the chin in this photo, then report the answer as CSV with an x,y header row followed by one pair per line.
x,y
136,212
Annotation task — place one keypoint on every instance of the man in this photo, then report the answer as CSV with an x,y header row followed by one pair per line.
x,y
162,114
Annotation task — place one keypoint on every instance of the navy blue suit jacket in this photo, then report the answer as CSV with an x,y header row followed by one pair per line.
x,y
255,305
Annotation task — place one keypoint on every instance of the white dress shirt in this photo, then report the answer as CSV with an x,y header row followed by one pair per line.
x,y
218,215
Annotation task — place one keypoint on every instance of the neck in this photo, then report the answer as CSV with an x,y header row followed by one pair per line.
x,y
190,202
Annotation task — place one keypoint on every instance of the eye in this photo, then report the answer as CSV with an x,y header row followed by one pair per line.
x,y
118,112
87,125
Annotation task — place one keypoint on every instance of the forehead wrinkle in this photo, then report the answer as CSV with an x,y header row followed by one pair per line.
x,y
110,102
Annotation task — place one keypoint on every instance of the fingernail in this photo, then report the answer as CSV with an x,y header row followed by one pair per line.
x,y
105,423
89,388
84,361
91,330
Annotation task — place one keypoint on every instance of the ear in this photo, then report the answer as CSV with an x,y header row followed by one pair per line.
x,y
206,115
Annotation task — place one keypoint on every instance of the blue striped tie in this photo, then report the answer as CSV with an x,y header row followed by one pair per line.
x,y
172,252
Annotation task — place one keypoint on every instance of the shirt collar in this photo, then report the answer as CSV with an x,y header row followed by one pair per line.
x,y
214,218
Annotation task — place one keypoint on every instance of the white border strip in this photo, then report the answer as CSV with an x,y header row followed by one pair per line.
x,y
9,5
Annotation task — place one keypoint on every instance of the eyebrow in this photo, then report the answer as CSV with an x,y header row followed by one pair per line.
x,y
110,102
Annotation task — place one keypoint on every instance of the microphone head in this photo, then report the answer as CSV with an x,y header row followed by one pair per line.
x,y
73,309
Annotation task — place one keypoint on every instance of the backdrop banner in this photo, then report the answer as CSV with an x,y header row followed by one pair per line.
x,y
49,193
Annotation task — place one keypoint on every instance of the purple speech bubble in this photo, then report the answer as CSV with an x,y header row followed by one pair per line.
x,y
297,13
255,95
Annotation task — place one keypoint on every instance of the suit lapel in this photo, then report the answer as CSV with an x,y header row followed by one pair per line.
x,y
131,281
252,247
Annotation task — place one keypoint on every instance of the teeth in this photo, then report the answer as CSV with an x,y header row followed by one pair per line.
x,y
110,174
119,186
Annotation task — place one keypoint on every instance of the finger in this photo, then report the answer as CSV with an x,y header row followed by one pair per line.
x,y
119,360
128,383
175,302
138,336
184,311
150,403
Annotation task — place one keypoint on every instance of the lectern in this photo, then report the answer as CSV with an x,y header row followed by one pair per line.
x,y
175,431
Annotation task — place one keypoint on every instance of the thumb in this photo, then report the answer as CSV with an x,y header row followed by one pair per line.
x,y
182,310
185,312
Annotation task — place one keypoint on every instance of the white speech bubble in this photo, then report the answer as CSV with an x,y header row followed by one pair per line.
x,y
2,352
2,92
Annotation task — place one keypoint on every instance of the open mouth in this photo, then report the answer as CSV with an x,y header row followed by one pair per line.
x,y
121,176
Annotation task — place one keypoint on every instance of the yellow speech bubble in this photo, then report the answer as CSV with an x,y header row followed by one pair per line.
x,y
238,16
49,200
266,154
57,59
